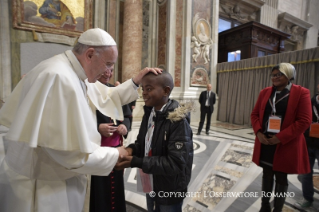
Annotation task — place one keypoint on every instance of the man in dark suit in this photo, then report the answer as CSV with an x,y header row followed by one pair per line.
x,y
207,100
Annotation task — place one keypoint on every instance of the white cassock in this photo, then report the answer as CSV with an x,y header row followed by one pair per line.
x,y
53,140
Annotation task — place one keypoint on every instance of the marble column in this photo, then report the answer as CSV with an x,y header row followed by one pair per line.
x,y
5,53
132,38
99,14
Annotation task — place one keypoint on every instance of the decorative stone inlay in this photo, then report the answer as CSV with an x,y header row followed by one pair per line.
x,y
229,171
190,208
242,147
213,183
238,158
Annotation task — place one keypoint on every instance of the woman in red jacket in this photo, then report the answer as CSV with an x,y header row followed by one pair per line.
x,y
281,115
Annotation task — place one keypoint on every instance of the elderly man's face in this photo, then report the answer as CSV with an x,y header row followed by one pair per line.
x,y
105,78
209,87
102,63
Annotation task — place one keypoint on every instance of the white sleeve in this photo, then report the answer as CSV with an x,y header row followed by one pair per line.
x,y
100,162
109,100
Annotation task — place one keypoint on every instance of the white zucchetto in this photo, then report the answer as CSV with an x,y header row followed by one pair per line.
x,y
96,37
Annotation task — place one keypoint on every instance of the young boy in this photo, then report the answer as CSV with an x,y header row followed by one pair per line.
x,y
163,151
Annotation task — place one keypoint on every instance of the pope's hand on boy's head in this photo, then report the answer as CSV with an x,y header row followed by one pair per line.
x,y
138,78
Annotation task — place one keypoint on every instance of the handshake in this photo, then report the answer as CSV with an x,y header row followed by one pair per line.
x,y
125,158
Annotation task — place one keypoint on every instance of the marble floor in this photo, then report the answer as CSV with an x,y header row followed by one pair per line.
x,y
222,163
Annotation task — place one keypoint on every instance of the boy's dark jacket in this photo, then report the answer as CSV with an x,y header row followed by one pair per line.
x,y
172,151
311,141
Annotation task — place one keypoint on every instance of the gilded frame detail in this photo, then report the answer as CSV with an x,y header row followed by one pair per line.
x,y
58,20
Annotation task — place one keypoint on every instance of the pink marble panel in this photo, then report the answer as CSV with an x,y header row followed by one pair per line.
x,y
112,18
132,38
178,42
112,22
162,29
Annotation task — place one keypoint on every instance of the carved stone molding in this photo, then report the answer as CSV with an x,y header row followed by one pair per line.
x,y
293,26
201,41
161,2
242,11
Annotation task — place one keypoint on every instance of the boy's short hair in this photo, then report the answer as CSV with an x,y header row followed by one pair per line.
x,y
164,79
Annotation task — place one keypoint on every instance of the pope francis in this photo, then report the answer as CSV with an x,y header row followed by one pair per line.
x,y
52,139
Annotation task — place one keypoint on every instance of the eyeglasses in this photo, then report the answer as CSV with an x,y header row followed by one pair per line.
x,y
109,65
276,75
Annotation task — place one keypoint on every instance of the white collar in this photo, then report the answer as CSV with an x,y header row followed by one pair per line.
x,y
78,69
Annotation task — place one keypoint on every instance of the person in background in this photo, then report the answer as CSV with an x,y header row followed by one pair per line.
x,y
163,150
107,192
207,100
281,115
312,139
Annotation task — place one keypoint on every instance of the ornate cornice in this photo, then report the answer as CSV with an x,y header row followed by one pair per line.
x,y
242,11
293,26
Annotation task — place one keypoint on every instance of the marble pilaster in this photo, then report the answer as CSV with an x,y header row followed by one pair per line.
x,y
99,12
171,38
178,42
5,53
162,35
132,38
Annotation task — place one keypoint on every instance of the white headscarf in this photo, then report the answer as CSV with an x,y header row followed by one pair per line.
x,y
288,70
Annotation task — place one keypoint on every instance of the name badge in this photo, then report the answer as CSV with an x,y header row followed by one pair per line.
x,y
274,124
144,181
314,130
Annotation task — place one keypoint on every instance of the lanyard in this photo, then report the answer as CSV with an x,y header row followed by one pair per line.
x,y
149,134
273,105
316,113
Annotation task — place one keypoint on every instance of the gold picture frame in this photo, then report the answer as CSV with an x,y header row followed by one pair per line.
x,y
64,17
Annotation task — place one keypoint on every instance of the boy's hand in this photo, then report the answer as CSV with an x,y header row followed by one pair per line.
x,y
124,162
122,152
129,151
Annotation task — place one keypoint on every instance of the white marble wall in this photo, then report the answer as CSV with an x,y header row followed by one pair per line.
x,y
268,16
5,52
312,16
294,7
271,3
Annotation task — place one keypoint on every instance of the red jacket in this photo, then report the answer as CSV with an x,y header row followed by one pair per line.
x,y
291,154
